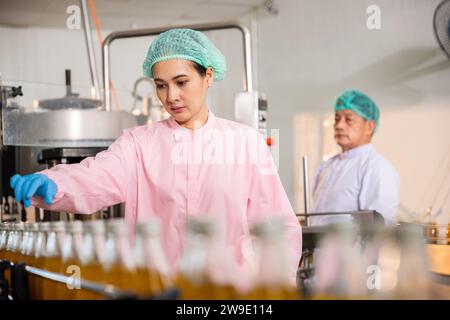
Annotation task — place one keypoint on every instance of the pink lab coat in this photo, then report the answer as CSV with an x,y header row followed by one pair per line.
x,y
166,171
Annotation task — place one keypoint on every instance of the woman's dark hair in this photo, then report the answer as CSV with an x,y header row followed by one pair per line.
x,y
200,69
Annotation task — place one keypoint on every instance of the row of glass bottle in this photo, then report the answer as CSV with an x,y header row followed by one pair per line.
x,y
102,252
81,251
438,233
376,263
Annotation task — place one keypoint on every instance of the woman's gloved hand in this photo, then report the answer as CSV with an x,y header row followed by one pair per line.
x,y
31,185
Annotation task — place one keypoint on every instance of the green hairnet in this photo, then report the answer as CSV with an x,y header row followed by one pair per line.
x,y
359,103
185,44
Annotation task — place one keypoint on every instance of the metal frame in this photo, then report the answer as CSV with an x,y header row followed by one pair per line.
x,y
90,47
248,84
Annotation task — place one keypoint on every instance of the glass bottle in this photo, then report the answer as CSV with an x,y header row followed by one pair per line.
x,y
16,247
340,269
92,257
24,243
119,264
70,260
53,254
448,233
207,268
10,254
432,232
413,275
152,270
39,258
3,240
29,252
273,280
7,243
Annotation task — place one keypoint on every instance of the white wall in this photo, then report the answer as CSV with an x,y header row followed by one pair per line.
x,y
312,50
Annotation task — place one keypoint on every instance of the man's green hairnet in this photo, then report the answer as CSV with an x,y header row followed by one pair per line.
x,y
359,103
185,44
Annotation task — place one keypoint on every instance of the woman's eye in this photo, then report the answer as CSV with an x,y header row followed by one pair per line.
x,y
160,86
182,83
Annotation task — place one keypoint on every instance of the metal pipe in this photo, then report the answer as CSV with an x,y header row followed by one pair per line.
x,y
90,47
306,187
248,84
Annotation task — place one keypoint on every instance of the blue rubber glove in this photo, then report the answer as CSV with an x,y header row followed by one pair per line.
x,y
31,185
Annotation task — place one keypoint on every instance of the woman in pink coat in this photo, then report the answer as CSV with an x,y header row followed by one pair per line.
x,y
192,164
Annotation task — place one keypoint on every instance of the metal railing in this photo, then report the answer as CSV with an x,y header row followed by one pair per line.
x,y
107,291
248,84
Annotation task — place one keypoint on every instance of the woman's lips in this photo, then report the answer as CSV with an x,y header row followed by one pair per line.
x,y
177,109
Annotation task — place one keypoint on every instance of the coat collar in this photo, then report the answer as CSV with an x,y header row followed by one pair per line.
x,y
355,151
183,134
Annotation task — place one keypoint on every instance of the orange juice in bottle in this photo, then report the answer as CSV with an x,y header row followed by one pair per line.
x,y
221,267
18,243
70,261
39,258
3,240
206,268
14,255
24,243
432,232
152,274
10,254
119,263
55,238
141,275
448,234
29,252
92,257
414,278
272,280
7,243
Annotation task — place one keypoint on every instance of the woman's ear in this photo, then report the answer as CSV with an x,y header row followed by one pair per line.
x,y
209,76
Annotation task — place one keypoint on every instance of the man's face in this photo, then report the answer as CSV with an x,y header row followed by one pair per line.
x,y
351,130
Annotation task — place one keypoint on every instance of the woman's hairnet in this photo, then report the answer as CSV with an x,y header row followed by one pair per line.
x,y
185,44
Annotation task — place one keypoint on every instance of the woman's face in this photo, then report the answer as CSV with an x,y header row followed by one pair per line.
x,y
182,90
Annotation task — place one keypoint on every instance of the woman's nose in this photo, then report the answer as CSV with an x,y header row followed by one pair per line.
x,y
172,94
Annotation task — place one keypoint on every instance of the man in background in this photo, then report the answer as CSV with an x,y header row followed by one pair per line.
x,y
358,178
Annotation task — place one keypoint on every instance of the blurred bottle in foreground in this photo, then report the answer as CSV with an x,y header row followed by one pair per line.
x,y
206,269
272,279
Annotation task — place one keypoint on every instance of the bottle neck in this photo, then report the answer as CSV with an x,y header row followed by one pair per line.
x,y
40,244
273,268
118,252
24,243
152,253
93,248
192,264
54,244
28,250
72,246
